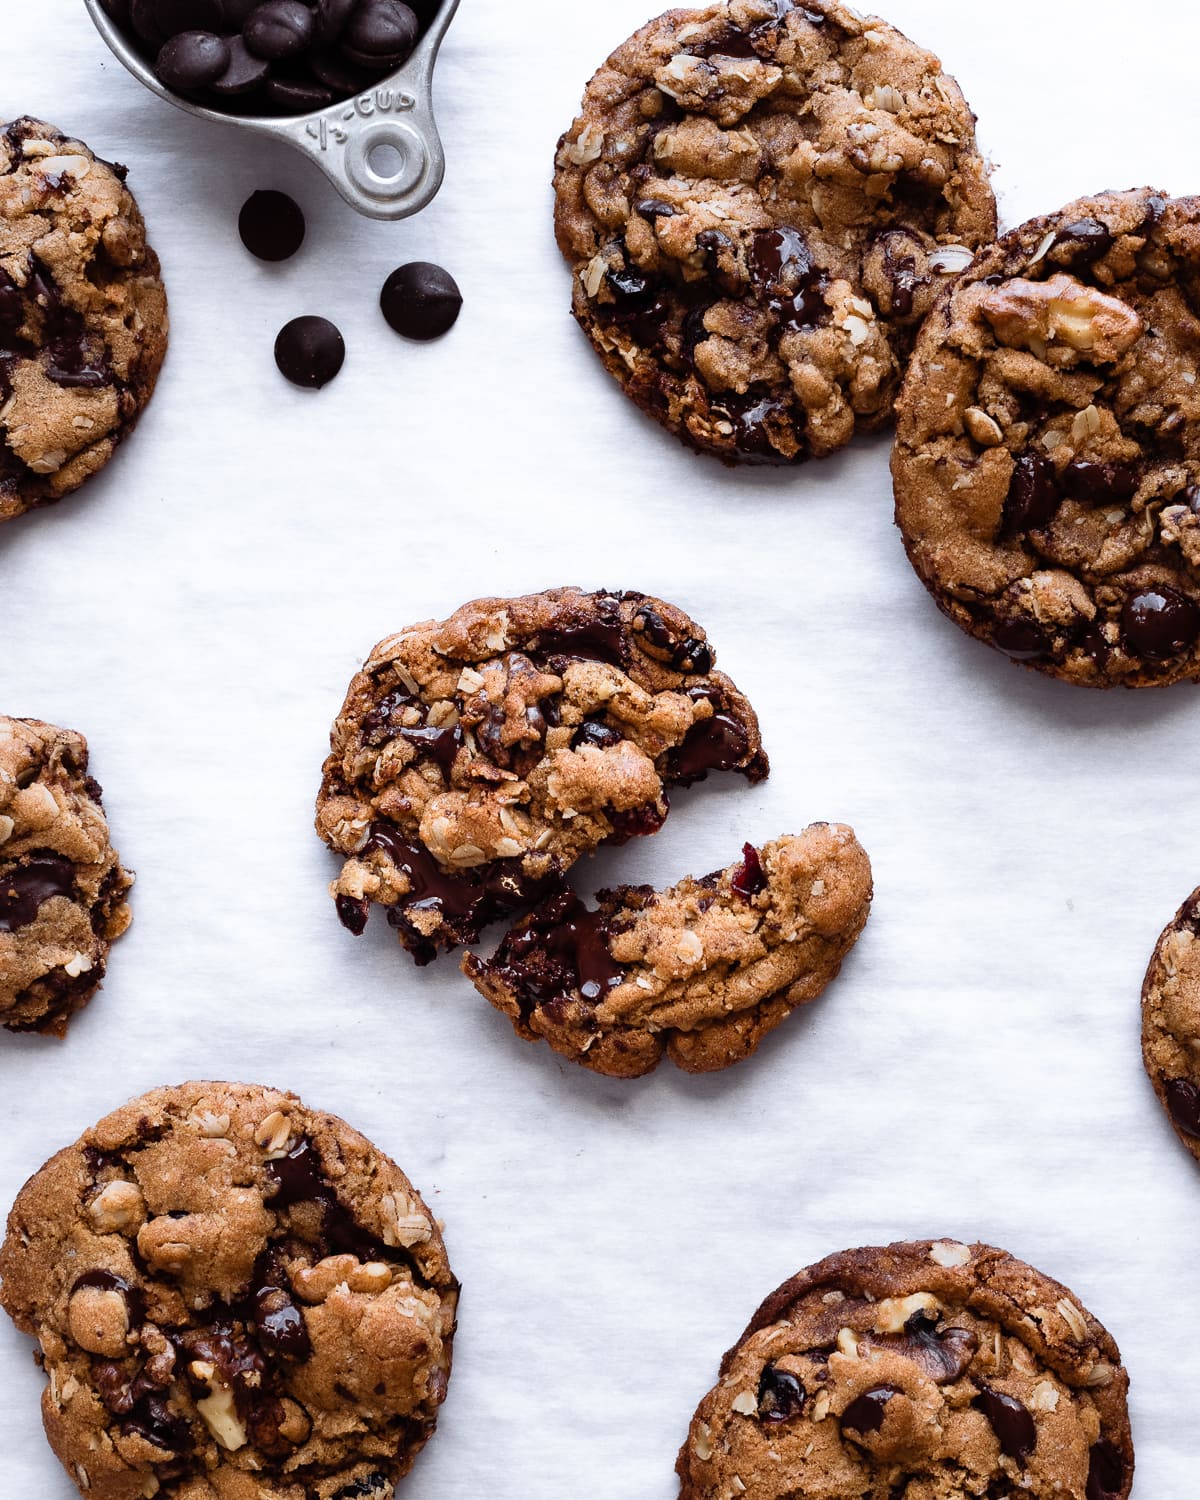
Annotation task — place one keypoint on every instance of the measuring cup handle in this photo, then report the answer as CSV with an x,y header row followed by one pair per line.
x,y
381,150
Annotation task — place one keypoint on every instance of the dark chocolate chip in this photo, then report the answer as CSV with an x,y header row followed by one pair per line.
x,y
12,305
1099,483
1033,497
689,654
749,878
143,16
562,946
1159,623
297,1176
781,1396
279,29
373,1487
1020,637
352,914
753,417
1183,1103
1088,240
593,732
244,73
421,300
1013,1424
310,351
271,225
380,30
332,69
191,60
719,743
280,1324
637,305
865,1413
655,208
24,888
332,17
781,258
116,10
296,96
587,638
1106,1471
175,16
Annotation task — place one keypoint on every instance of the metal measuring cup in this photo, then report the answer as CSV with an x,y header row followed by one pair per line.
x,y
396,114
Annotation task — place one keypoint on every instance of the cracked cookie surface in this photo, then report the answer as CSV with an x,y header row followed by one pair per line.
x,y
758,201
929,1371
475,759
83,314
1047,460
699,973
1171,1022
62,888
235,1297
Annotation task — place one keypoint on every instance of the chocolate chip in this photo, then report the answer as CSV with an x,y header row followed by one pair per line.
x,y
753,419
1088,240
1183,1104
12,305
297,1177
749,879
175,16
1015,1429
279,29
781,1396
310,351
271,225
280,1324
865,1414
25,888
332,16
421,300
106,1281
116,10
690,654
637,305
244,73
143,16
1033,498
784,270
352,914
191,60
1020,637
1106,1472
560,947
295,96
656,208
719,743
332,69
1158,623
373,1487
593,732
1100,483
380,31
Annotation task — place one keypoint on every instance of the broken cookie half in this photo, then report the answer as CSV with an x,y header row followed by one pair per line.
x,y
700,972
477,758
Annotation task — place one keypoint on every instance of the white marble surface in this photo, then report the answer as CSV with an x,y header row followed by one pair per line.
x,y
199,610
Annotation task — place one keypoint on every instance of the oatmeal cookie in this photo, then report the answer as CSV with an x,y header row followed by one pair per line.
x,y
62,888
1047,459
235,1298
83,314
477,758
758,202
929,1369
1171,1022
699,973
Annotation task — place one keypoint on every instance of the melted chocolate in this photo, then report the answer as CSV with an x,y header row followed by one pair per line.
x,y
1183,1105
749,416
559,948
24,888
865,1413
788,278
106,1281
638,306
1015,1429
1021,639
1100,483
299,1179
280,1324
717,744
781,1396
1159,623
595,732
1033,497
690,655
588,639
1106,1472
1087,239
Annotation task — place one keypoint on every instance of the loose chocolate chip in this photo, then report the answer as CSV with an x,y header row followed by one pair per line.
x,y
271,225
116,10
279,29
1159,623
295,96
310,351
1183,1103
1106,1472
1088,239
780,1395
421,300
1100,484
1020,638
380,30
238,12
865,1414
280,1324
25,888
1015,1429
1033,498
244,73
749,879
332,16
191,60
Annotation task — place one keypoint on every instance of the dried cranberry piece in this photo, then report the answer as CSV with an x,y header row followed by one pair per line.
x,y
749,879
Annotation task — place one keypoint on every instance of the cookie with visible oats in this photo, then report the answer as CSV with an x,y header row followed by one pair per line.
x,y
699,973
62,889
929,1369
83,314
1047,459
1171,1022
758,201
235,1297
475,759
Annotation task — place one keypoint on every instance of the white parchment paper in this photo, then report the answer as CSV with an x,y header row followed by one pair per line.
x,y
200,608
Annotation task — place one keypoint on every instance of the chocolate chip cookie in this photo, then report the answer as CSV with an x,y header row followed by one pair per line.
x,y
83,314
475,759
758,202
235,1297
1047,460
1171,1022
699,973
62,888
931,1369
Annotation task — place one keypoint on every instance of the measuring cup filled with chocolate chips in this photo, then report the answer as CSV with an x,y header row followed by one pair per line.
x,y
348,82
